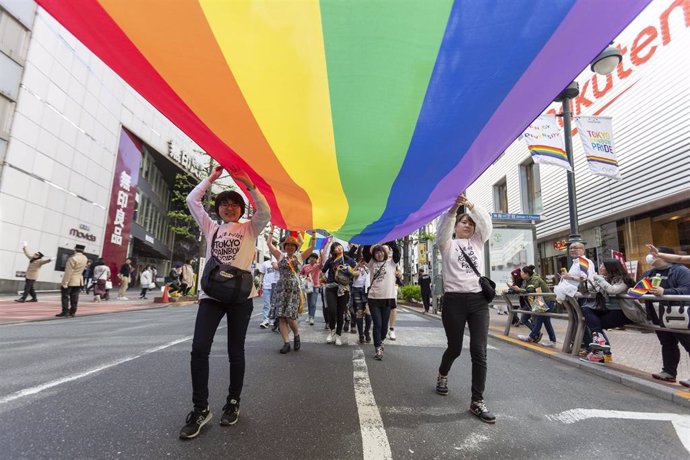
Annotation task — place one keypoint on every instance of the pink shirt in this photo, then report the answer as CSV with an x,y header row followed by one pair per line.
x,y
314,271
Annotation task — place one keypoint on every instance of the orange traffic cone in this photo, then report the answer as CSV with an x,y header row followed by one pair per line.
x,y
165,297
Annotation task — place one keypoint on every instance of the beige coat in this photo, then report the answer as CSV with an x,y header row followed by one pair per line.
x,y
187,275
74,269
34,265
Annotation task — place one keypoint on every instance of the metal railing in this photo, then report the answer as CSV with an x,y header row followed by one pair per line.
x,y
576,319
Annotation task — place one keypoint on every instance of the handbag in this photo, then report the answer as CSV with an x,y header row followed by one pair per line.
x,y
538,304
224,282
342,275
487,285
108,284
674,316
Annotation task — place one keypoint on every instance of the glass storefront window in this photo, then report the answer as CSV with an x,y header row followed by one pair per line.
x,y
509,249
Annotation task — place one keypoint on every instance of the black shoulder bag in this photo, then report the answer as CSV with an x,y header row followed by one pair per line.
x,y
224,282
488,286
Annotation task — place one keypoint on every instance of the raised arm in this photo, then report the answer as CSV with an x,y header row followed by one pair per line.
x,y
274,250
263,212
196,207
396,250
312,244
366,253
482,220
672,258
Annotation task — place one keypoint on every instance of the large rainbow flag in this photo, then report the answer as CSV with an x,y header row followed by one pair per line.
x,y
364,118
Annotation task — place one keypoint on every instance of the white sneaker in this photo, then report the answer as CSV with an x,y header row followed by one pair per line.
x,y
548,344
311,321
391,335
524,338
263,325
125,298
338,342
329,339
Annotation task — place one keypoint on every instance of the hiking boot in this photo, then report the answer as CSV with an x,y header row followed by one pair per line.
x,y
298,344
231,413
196,419
479,409
379,354
594,357
442,385
664,376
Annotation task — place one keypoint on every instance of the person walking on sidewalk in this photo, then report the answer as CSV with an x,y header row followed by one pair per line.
x,y
146,279
101,277
463,299
382,261
288,295
424,282
124,277
72,281
534,284
231,243
36,261
675,280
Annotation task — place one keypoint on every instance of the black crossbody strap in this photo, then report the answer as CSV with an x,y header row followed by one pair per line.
x,y
469,261
213,241
376,275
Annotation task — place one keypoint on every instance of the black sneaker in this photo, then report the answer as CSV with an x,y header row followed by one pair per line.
x,y
479,409
367,337
64,314
379,354
32,300
196,419
361,339
442,385
231,413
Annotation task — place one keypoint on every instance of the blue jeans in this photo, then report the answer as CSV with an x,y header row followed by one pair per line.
x,y
546,321
311,302
267,304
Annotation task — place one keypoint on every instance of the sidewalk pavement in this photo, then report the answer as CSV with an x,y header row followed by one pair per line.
x,y
49,305
635,355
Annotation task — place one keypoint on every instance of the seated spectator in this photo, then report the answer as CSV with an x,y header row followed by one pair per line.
x,y
532,283
675,280
612,280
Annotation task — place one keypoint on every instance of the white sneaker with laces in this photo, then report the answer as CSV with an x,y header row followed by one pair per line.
x,y
330,339
338,342
524,338
391,334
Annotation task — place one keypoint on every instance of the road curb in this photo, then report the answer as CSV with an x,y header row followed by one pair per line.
x,y
680,397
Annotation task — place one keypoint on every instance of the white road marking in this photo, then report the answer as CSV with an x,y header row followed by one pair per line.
x,y
472,442
374,439
70,378
680,422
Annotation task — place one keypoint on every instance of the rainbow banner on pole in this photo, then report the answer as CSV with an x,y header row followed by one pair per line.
x,y
641,288
545,142
596,134
400,104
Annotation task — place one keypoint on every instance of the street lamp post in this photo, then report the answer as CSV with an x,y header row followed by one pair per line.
x,y
603,64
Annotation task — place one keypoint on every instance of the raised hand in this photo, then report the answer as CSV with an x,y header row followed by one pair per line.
x,y
653,250
240,176
217,171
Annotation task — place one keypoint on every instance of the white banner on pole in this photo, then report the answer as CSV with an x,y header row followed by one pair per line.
x,y
545,142
596,134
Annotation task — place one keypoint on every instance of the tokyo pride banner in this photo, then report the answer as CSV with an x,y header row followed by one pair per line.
x,y
596,134
545,142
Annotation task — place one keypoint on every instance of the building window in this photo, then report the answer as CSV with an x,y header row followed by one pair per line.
x,y
501,196
530,188
6,111
14,38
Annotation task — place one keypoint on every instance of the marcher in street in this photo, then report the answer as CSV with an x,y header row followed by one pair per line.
x,y
424,282
675,280
187,277
463,299
231,243
146,279
381,261
36,261
72,281
124,277
269,271
360,285
339,270
312,273
101,276
287,296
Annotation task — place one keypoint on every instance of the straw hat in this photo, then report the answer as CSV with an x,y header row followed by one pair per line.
x,y
291,240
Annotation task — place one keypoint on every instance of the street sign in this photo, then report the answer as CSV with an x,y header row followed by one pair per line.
x,y
507,216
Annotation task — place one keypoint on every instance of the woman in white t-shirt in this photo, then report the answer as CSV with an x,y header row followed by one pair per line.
x,y
382,262
463,300
234,243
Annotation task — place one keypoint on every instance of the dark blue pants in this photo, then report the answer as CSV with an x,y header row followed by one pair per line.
x,y
380,314
546,321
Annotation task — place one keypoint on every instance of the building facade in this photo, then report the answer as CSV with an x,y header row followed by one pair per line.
x,y
648,98
85,159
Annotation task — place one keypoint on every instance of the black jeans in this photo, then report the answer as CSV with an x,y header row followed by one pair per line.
x,y
426,300
359,298
29,289
380,314
337,305
143,292
70,298
473,309
207,319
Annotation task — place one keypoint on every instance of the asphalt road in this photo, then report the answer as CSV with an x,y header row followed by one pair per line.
x,y
118,386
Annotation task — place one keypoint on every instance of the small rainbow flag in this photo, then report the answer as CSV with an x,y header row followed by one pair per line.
x,y
584,264
641,288
548,151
